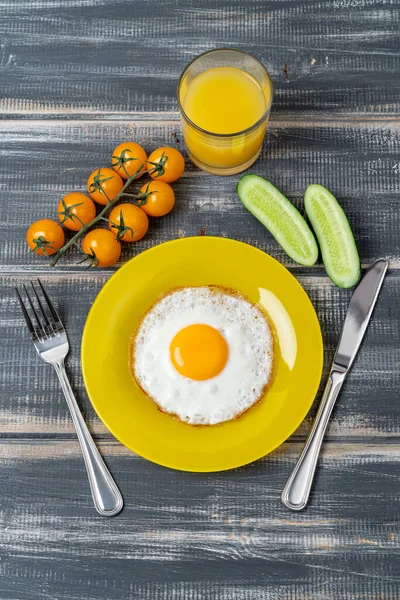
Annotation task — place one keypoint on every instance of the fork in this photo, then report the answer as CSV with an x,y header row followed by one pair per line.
x,y
51,343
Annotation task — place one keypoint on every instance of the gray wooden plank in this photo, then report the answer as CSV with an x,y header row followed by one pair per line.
x,y
32,402
73,58
199,537
358,161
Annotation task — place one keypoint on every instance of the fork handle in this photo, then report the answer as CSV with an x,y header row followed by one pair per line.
x,y
297,489
106,495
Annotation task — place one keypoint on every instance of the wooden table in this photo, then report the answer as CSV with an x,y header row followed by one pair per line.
x,y
80,76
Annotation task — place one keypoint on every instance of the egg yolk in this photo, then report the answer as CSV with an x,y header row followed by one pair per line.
x,y
199,352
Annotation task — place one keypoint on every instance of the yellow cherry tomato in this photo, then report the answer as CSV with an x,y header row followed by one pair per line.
x,y
104,184
165,164
157,198
45,237
76,210
101,247
128,158
128,222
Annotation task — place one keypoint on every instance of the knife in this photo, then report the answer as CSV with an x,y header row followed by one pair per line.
x,y
297,489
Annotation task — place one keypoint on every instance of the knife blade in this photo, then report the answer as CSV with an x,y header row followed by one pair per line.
x,y
359,314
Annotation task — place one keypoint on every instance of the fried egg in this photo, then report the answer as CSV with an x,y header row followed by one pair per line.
x,y
203,354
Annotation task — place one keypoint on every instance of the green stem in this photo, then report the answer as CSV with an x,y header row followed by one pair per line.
x,y
124,168
84,229
80,220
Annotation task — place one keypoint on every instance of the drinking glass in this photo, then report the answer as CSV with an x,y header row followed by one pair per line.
x,y
224,153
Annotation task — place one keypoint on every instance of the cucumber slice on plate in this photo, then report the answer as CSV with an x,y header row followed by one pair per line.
x,y
334,235
280,217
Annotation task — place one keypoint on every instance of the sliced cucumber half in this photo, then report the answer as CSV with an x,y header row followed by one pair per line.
x,y
334,235
280,217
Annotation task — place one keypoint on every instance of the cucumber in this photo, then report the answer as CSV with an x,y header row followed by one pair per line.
x,y
334,235
280,217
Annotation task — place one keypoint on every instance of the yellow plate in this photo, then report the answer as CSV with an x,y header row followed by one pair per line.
x,y
135,421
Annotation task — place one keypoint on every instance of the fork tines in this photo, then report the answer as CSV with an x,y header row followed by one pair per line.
x,y
46,322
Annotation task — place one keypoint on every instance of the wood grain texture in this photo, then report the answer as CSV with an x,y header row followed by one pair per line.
x,y
358,161
199,537
74,58
33,403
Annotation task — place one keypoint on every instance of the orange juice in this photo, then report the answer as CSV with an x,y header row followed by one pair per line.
x,y
224,110
225,100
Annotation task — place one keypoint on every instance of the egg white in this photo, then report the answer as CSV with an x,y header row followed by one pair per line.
x,y
237,387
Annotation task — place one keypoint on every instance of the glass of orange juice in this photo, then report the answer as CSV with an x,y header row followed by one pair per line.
x,y
224,97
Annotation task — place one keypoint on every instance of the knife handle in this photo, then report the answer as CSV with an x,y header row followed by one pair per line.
x,y
297,489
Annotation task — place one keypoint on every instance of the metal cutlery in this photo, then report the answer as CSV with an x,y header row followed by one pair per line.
x,y
51,343
297,489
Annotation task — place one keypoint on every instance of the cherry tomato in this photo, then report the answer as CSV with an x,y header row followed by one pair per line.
x,y
158,198
128,222
104,184
101,247
45,237
76,210
165,164
127,158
